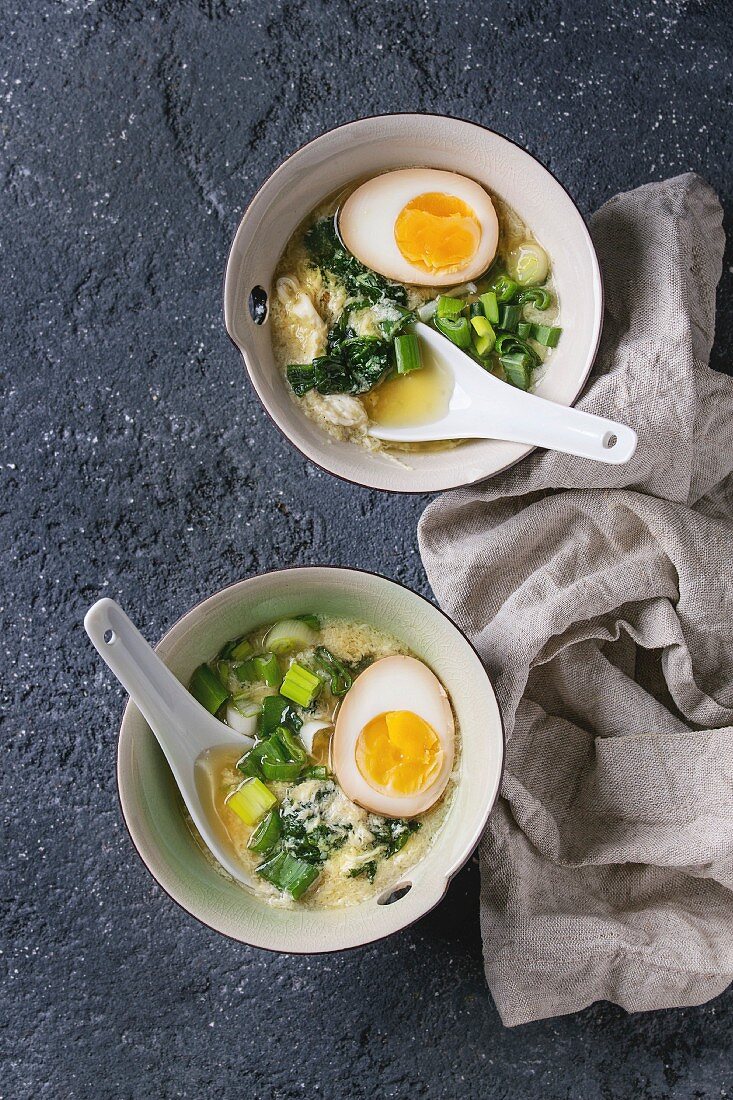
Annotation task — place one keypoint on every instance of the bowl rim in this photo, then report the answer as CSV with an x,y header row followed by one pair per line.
x,y
469,847
407,114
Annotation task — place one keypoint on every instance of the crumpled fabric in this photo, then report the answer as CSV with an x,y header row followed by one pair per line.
x,y
601,601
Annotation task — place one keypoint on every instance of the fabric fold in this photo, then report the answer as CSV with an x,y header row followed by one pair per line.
x,y
601,601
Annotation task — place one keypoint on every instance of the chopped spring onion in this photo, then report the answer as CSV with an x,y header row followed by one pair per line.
x,y
518,369
491,307
309,731
250,764
280,771
241,650
427,310
524,330
509,317
340,679
290,744
529,264
539,297
475,309
507,343
289,635
267,834
315,771
300,684
547,335
277,711
456,329
264,668
222,669
461,291
449,307
407,353
484,335
242,717
206,688
310,620
288,873
504,288
483,345
482,326
251,801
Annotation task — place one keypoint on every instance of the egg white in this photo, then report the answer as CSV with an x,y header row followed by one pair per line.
x,y
367,219
392,683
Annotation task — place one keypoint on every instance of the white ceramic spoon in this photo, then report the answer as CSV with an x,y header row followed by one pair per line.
x,y
183,727
483,407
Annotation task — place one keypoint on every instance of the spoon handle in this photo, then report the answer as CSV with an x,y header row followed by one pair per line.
x,y
526,418
165,704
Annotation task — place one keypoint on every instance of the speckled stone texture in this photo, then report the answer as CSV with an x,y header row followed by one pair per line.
x,y
137,464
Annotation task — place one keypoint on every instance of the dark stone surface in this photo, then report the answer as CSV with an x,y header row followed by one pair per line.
x,y
137,464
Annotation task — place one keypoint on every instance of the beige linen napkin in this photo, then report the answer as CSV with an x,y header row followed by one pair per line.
x,y
601,600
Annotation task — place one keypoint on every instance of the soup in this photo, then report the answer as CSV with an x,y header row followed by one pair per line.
x,y
348,759
372,260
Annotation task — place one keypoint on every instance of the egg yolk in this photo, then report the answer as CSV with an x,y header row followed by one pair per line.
x,y
399,750
437,232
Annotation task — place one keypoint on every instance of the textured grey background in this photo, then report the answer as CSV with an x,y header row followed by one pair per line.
x,y
137,464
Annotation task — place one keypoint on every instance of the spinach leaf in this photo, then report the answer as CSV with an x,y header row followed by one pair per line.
x,y
327,252
392,833
369,869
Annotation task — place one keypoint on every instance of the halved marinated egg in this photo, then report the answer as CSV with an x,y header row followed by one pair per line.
x,y
421,226
392,748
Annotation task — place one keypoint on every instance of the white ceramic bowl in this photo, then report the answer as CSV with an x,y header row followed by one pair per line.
x,y
365,148
152,807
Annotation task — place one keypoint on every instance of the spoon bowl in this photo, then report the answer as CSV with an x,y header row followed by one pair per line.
x,y
184,729
481,406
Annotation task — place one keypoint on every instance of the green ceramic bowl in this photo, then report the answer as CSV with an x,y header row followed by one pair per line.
x,y
153,810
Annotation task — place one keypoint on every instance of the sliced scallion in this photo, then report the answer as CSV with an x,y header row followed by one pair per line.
x,y
251,801
449,307
528,263
277,711
457,329
504,288
300,684
280,771
290,745
287,872
266,835
407,353
289,635
242,649
509,316
547,335
539,297
483,345
242,720
518,369
461,291
222,669
206,688
427,310
315,771
491,306
310,620
340,679
264,667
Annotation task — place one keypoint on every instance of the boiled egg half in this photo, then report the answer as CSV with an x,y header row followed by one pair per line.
x,y
393,745
421,226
